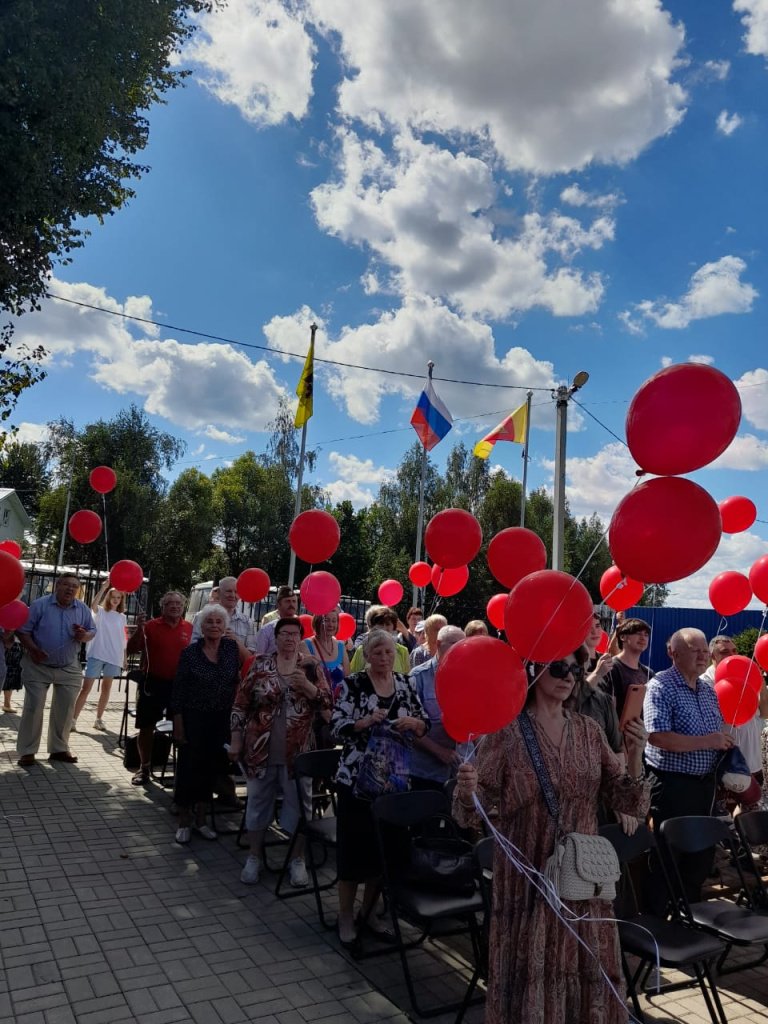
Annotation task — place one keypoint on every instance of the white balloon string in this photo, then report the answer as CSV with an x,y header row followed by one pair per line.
x,y
749,669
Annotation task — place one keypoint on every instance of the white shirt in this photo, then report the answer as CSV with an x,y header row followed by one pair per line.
x,y
110,640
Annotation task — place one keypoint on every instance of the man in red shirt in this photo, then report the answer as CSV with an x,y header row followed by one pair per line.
x,y
161,642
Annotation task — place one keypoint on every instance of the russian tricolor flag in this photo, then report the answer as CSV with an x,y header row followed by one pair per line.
x,y
431,420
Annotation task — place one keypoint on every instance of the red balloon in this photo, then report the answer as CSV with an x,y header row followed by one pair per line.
x,y
448,582
455,731
481,685
495,610
126,576
514,553
320,592
548,615
738,670
681,419
390,593
306,621
737,513
603,643
664,530
758,579
761,652
314,536
13,615
347,626
246,665
11,547
11,578
619,592
420,574
85,526
252,585
730,593
103,479
738,703
453,537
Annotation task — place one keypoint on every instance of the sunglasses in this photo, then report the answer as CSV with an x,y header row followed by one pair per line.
x,y
561,669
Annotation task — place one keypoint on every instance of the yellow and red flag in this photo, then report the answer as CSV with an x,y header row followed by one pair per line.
x,y
306,387
510,429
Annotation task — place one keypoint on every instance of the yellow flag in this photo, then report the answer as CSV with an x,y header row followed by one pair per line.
x,y
510,429
306,387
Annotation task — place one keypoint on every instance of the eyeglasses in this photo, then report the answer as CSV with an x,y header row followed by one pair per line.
x,y
561,669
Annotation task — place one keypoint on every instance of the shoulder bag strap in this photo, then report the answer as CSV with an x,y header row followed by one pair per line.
x,y
534,752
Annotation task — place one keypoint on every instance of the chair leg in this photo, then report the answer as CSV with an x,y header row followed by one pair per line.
x,y
286,862
706,968
241,832
739,967
631,987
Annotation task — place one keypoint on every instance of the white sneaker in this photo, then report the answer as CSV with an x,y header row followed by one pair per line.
x,y
99,724
297,873
73,727
183,836
205,832
252,871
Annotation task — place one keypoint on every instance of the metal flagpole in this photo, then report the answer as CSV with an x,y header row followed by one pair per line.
x,y
529,396
297,505
420,524
561,396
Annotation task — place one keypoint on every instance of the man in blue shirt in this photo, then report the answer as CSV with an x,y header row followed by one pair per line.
x,y
51,638
434,756
685,742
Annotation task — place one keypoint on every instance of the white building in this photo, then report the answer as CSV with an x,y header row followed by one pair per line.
x,y
14,521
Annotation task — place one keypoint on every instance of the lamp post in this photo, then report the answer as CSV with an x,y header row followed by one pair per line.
x,y
561,396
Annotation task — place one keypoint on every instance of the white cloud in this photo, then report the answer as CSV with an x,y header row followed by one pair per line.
x,y
745,452
30,433
753,388
728,123
704,360
718,69
597,483
356,477
737,552
256,55
222,435
576,196
199,450
755,21
666,361
430,215
550,85
714,289
190,385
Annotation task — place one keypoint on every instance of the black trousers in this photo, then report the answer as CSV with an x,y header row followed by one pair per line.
x,y
676,795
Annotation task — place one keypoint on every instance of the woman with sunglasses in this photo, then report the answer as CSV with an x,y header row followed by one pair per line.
x,y
539,971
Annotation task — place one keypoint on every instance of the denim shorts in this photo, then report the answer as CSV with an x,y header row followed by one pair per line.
x,y
95,668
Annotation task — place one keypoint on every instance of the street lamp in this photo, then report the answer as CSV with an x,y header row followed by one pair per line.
x,y
561,396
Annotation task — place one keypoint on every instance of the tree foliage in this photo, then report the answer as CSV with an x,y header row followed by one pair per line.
x,y
19,370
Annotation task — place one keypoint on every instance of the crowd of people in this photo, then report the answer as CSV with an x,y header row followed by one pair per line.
x,y
256,698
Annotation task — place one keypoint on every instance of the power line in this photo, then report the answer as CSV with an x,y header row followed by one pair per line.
x,y
600,422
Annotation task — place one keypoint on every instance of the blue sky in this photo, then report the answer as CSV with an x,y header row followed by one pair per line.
x,y
516,191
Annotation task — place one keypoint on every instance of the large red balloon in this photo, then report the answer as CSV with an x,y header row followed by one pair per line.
x,y
347,626
514,553
11,578
738,670
758,579
730,593
495,610
548,615
761,652
126,576
85,526
481,685
681,419
420,574
103,479
448,582
664,530
320,592
252,585
390,593
11,547
737,513
314,536
453,538
457,732
618,591
13,615
738,704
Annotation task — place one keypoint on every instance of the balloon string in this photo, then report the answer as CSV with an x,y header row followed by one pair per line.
x,y
746,674
106,544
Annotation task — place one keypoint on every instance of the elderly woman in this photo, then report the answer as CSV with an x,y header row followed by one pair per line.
x,y
538,970
325,647
203,691
372,704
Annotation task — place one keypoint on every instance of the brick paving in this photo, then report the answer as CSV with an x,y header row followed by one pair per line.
x,y
104,918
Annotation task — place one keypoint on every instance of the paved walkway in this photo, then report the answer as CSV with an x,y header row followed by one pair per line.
x,y
103,918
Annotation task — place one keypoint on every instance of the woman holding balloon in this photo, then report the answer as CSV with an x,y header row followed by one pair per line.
x,y
106,652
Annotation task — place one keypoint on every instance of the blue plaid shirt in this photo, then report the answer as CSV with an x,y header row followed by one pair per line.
x,y
672,706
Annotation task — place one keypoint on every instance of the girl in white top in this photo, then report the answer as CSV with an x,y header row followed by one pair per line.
x,y
106,652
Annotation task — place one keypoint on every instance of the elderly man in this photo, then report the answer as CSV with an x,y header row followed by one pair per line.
x,y
434,756
51,638
686,737
241,628
428,649
161,642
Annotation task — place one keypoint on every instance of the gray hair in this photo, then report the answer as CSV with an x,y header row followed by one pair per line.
x,y
172,593
213,609
717,640
450,635
376,636
228,579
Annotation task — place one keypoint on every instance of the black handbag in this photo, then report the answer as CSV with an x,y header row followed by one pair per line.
x,y
439,860
161,749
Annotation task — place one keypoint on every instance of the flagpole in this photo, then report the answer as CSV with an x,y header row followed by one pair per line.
x,y
420,525
299,483
529,396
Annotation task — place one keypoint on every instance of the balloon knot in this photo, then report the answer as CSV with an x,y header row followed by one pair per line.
x,y
641,472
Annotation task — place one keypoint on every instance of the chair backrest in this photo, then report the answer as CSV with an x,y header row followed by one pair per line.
x,y
753,827
483,853
694,833
317,764
629,847
409,809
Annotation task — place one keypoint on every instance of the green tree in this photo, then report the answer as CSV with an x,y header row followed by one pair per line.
x,y
17,373
746,640
352,562
183,532
24,467
76,81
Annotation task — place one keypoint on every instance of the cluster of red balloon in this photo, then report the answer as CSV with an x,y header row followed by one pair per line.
x,y
738,682
314,537
85,526
730,592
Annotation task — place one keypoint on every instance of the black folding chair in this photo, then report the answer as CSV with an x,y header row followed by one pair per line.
x,y
404,813
736,925
315,765
752,827
643,935
483,857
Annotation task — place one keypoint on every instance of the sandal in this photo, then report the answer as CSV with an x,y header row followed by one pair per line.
x,y
380,935
352,946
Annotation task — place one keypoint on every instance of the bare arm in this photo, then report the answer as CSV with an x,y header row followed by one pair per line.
x,y
96,603
678,743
